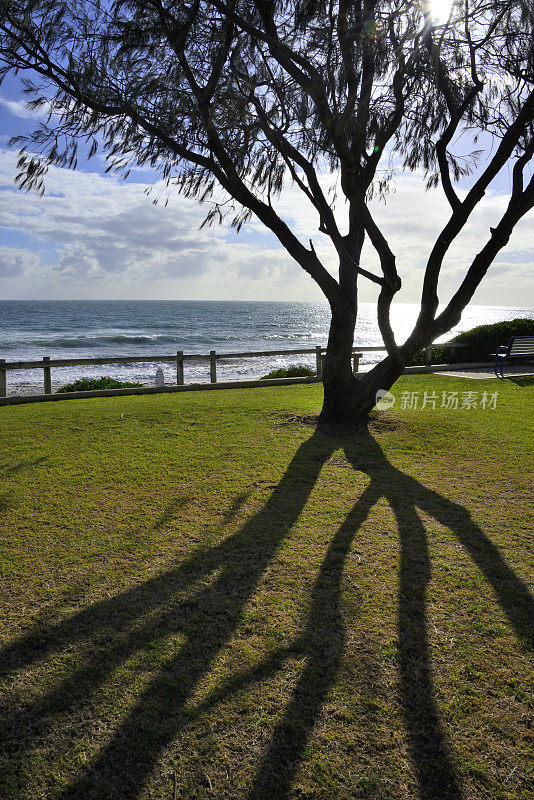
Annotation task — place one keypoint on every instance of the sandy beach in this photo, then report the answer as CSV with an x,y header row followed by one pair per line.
x,y
27,389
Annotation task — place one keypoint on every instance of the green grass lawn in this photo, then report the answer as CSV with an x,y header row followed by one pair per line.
x,y
203,597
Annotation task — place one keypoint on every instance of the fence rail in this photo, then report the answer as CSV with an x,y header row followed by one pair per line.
x,y
46,363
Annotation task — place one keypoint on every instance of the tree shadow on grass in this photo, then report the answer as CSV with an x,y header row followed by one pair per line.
x,y
521,380
324,636
200,603
13,469
429,750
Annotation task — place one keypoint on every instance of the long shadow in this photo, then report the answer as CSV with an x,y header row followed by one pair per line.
x,y
323,640
21,465
13,469
200,602
429,749
106,619
521,380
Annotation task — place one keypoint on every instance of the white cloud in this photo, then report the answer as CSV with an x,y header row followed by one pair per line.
x,y
18,108
15,262
411,220
103,226
102,235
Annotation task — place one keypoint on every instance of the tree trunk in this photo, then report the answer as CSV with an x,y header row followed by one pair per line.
x,y
348,398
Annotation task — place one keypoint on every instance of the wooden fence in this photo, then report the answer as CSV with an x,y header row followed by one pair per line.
x,y
47,363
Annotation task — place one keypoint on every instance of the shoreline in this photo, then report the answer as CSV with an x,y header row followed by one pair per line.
x,y
29,389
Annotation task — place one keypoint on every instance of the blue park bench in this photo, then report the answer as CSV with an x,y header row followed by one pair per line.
x,y
517,346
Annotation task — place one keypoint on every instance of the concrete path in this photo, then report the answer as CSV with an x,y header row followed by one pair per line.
x,y
483,372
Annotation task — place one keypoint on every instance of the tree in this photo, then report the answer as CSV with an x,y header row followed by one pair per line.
x,y
246,94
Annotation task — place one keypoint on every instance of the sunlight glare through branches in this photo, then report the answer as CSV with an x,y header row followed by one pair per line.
x,y
440,10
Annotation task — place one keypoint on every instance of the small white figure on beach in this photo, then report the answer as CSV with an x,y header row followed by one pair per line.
x,y
160,378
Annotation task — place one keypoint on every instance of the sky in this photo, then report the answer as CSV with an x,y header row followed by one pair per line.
x,y
95,236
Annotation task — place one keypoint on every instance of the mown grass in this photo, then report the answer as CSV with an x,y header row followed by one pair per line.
x,y
202,589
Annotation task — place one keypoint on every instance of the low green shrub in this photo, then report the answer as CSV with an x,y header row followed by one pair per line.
x,y
480,341
298,371
87,384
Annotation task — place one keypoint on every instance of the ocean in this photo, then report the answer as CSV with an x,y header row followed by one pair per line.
x,y
30,330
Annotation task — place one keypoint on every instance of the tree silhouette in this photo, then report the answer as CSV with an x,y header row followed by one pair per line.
x,y
245,96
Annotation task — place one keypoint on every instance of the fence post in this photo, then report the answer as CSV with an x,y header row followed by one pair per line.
x,y
213,366
428,355
3,381
180,367
355,363
319,361
47,376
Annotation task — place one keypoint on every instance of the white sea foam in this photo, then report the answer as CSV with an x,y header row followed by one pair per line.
x,y
30,330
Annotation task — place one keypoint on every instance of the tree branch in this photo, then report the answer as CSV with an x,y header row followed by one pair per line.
x,y
353,79
520,204
463,212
